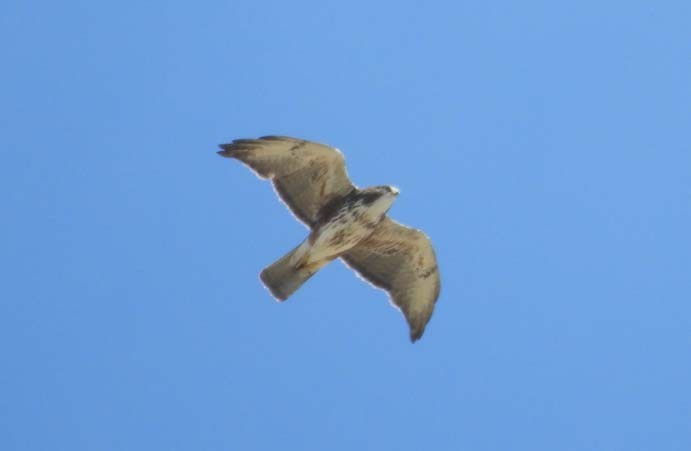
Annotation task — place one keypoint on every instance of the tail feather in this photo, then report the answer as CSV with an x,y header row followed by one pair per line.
x,y
285,275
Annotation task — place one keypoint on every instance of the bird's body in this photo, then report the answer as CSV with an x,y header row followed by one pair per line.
x,y
341,224
355,219
345,222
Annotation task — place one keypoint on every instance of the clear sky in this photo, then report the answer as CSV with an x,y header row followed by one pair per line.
x,y
544,146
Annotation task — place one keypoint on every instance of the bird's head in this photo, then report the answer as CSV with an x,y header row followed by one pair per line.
x,y
380,198
390,190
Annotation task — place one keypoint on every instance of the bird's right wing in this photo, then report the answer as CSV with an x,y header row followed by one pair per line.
x,y
306,174
401,261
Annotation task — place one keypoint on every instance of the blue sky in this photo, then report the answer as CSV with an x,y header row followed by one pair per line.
x,y
544,146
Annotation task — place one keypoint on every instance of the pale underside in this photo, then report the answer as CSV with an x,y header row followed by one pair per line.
x,y
395,258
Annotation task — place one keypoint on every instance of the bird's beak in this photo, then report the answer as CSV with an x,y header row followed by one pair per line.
x,y
395,191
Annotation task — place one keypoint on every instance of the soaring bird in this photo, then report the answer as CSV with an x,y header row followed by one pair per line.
x,y
345,222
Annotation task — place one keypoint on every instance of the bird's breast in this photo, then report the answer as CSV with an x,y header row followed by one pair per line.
x,y
342,231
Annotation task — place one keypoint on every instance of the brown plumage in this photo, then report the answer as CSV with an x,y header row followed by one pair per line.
x,y
345,222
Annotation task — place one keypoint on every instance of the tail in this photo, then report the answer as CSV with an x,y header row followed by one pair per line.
x,y
287,274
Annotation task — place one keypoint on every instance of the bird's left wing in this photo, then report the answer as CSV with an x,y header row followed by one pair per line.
x,y
401,261
306,174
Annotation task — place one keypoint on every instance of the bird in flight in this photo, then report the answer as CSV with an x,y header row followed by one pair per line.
x,y
345,222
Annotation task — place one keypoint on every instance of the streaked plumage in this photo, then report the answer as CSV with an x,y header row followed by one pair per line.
x,y
345,222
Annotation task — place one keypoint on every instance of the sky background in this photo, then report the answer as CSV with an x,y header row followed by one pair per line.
x,y
544,146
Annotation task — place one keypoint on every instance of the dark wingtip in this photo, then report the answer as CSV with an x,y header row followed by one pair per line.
x,y
225,150
239,146
416,334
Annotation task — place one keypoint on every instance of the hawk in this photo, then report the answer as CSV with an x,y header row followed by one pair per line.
x,y
345,222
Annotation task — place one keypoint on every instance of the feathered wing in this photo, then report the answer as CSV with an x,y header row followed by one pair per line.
x,y
401,261
306,174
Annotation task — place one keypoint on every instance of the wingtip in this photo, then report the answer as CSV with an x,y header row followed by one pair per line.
x,y
225,150
414,336
416,333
